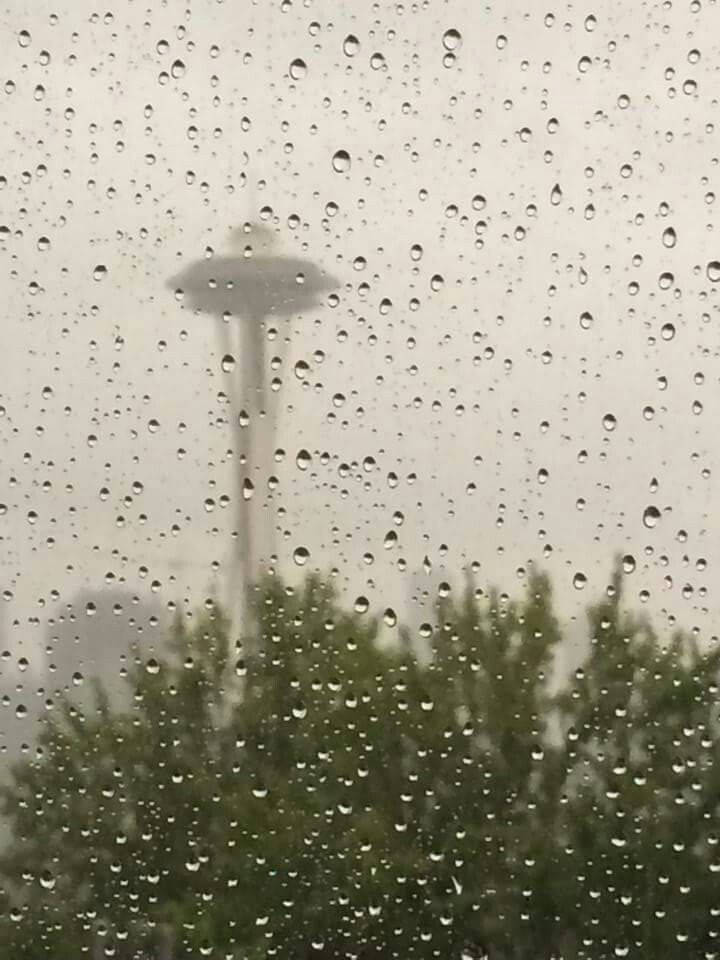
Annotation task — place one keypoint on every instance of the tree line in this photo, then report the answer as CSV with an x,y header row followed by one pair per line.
x,y
311,791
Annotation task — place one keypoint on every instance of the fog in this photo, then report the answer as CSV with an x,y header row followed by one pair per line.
x,y
519,217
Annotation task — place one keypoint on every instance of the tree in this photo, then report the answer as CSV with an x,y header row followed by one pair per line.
x,y
310,790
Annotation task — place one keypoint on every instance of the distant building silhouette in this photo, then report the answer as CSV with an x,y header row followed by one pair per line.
x,y
245,291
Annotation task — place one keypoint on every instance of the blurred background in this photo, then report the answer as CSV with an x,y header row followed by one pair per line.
x,y
478,329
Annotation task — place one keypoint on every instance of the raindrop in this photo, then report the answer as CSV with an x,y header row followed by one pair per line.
x,y
228,363
100,272
298,69
667,331
609,422
579,581
177,69
341,161
651,515
24,38
628,563
452,39
248,489
586,320
351,45
303,459
555,195
669,237
713,271
301,555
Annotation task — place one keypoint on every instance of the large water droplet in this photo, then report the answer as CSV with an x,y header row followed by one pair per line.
x,y
301,555
298,69
651,515
452,39
341,161
713,271
351,45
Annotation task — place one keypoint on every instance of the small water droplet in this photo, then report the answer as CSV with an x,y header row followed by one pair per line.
x,y
228,363
298,69
24,38
100,272
579,581
177,69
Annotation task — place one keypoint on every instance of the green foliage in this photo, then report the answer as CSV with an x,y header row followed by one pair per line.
x,y
313,792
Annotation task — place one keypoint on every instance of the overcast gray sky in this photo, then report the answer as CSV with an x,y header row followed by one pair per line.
x,y
136,140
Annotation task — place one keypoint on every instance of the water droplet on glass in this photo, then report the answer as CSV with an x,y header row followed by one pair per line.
x,y
177,69
100,272
298,69
228,363
24,38
351,45
301,555
452,39
669,237
651,515
361,605
579,581
341,161
713,271
609,422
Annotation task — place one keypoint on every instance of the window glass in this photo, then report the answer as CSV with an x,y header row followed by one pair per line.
x,y
358,514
